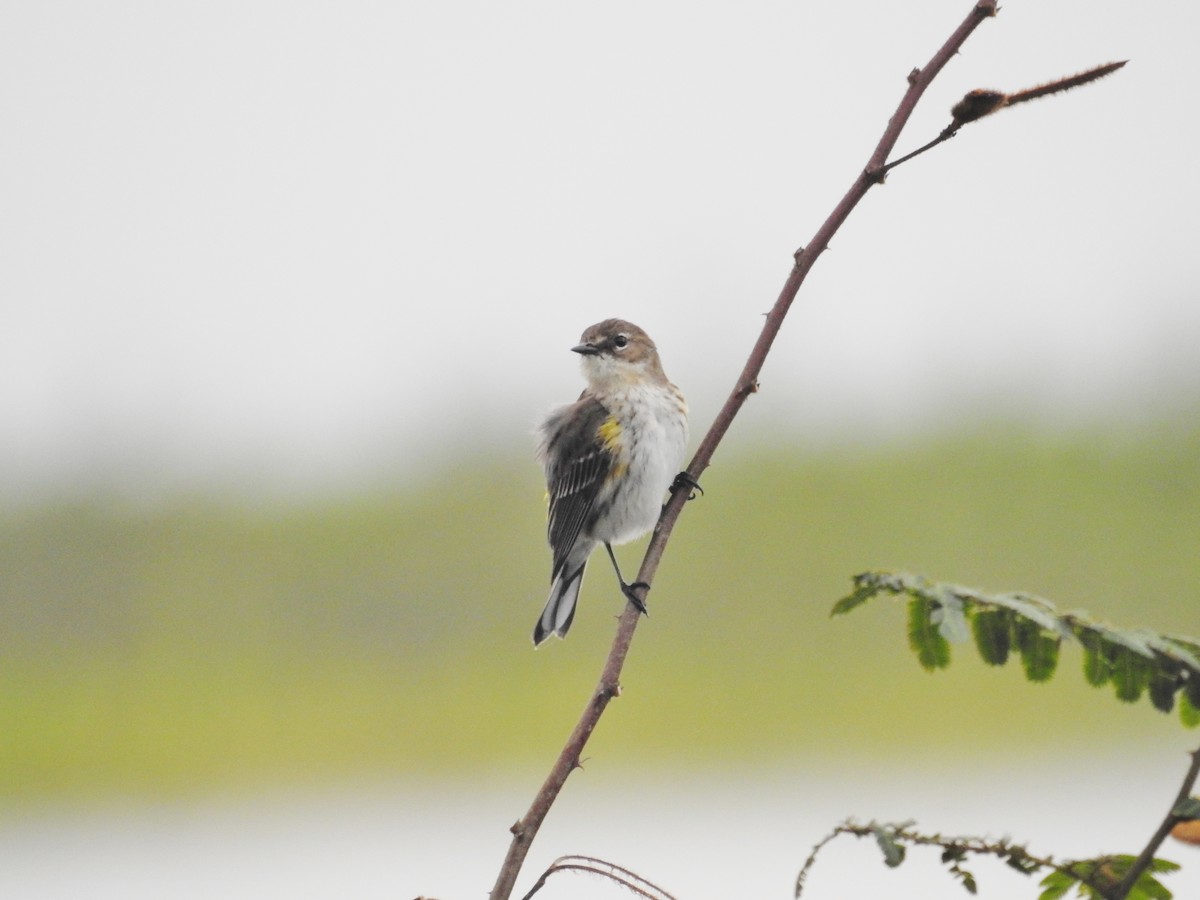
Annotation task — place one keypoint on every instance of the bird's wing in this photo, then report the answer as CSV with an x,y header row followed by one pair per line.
x,y
578,459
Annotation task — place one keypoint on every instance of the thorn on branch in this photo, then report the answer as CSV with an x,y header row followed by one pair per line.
x,y
748,389
608,692
879,175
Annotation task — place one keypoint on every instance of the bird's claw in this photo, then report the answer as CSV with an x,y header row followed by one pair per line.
x,y
685,481
630,592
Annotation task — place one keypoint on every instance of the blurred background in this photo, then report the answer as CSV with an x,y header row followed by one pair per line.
x,y
286,289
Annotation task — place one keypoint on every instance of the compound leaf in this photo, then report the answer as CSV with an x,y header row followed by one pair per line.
x,y
1137,662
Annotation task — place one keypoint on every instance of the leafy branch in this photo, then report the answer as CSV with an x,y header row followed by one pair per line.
x,y
526,828
1099,878
1136,662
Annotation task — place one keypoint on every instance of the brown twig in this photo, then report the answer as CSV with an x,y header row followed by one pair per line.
x,y
981,102
1064,84
526,828
631,881
1169,820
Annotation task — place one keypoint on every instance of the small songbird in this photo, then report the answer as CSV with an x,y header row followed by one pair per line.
x,y
609,458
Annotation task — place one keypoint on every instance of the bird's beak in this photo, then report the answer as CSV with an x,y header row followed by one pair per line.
x,y
585,349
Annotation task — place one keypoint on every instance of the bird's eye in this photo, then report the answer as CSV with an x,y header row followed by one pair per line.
x,y
621,341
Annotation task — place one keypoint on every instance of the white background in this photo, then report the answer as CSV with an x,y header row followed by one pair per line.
x,y
304,246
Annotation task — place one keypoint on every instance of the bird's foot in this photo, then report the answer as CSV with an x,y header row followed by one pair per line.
x,y
630,592
684,481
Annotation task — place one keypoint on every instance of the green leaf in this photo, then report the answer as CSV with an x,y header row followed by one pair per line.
x,y
893,853
1056,884
860,596
1105,871
1188,809
993,634
1131,673
932,649
1019,860
1164,866
1189,714
1039,650
954,854
1110,869
1192,686
968,881
1150,888
1163,685
1096,668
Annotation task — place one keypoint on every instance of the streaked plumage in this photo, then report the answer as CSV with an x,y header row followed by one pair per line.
x,y
609,458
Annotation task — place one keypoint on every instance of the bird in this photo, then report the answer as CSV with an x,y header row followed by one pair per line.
x,y
609,458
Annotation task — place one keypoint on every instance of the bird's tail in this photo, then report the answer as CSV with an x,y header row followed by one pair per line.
x,y
560,608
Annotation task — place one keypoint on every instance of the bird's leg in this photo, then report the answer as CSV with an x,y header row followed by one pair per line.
x,y
685,481
629,590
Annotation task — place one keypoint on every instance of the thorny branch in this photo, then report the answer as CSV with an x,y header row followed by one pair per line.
x,y
1147,855
526,828
955,849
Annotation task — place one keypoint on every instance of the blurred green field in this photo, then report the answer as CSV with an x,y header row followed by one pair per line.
x,y
211,643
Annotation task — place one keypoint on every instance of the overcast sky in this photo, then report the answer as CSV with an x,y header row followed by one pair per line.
x,y
296,244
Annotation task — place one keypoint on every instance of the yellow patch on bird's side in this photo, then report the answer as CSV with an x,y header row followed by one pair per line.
x,y
609,433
